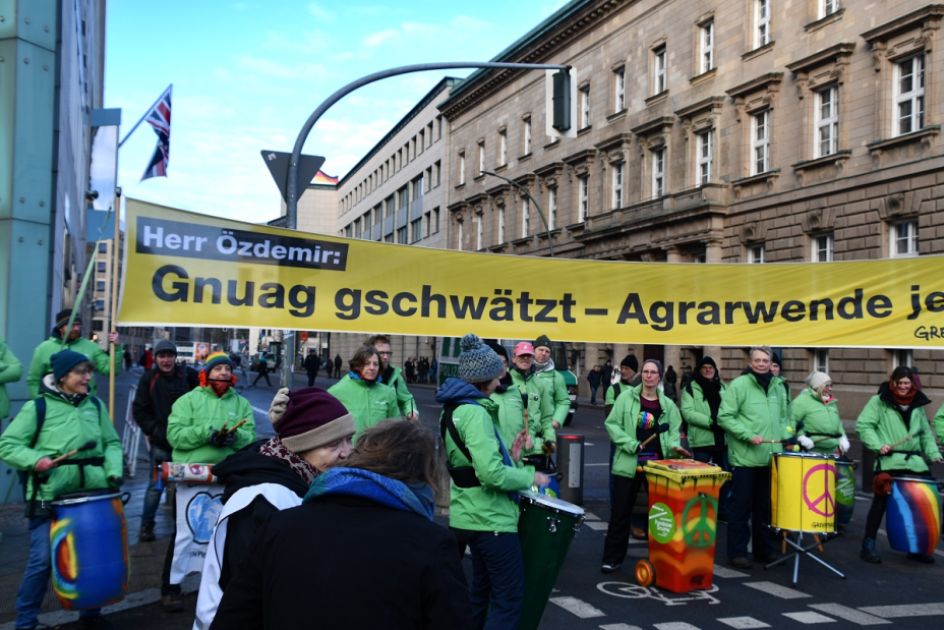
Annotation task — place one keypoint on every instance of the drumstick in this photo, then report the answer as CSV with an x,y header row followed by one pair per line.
x,y
84,447
682,450
235,426
892,447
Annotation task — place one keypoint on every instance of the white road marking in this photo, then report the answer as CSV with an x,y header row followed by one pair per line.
x,y
744,623
587,464
676,625
618,626
725,572
849,614
809,617
598,526
577,607
776,590
905,610
590,516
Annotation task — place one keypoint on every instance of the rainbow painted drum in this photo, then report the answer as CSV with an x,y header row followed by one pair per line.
x,y
89,547
913,517
803,492
683,522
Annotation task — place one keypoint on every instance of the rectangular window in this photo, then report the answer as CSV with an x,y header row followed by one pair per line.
x,y
357,229
101,266
99,285
525,218
551,208
461,167
99,305
416,227
436,221
707,45
429,222
755,254
658,172
460,236
437,173
821,360
479,232
502,147
909,95
902,356
827,7
827,121
481,157
583,198
103,248
619,89
417,188
761,23
705,152
501,224
617,185
822,250
760,142
366,220
527,136
584,106
904,238
658,70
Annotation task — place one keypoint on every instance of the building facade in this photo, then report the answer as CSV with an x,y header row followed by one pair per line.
x,y
397,194
737,131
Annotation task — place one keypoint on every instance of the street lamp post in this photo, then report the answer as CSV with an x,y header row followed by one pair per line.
x,y
538,208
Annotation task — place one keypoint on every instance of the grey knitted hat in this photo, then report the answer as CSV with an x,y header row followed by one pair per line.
x,y
477,362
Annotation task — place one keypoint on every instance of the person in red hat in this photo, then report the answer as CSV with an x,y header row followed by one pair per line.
x,y
313,432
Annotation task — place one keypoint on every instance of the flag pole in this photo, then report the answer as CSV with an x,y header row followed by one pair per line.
x,y
112,347
146,112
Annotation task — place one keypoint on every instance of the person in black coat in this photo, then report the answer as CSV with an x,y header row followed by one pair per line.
x,y
362,551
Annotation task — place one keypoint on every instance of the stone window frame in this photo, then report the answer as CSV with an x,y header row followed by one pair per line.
x,y
655,135
821,70
501,161
698,45
580,165
527,135
750,98
584,107
618,72
460,168
614,150
817,222
895,209
480,161
890,43
498,197
659,46
550,177
695,119
818,17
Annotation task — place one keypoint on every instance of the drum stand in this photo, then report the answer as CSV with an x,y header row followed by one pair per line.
x,y
804,550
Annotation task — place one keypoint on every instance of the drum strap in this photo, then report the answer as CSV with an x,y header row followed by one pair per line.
x,y
826,435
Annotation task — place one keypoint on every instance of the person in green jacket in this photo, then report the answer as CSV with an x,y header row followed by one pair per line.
x,y
483,507
939,423
815,417
754,418
10,372
539,402
628,376
510,402
644,425
552,380
363,392
701,400
72,339
73,419
894,425
393,377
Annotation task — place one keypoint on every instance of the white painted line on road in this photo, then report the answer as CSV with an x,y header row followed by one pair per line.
x,y
906,610
776,590
809,617
590,516
598,464
577,607
849,614
744,623
597,526
618,626
676,625
264,412
725,572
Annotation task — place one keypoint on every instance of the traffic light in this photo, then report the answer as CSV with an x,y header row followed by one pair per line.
x,y
561,100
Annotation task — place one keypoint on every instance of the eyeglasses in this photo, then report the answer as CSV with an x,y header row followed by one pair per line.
x,y
385,353
82,371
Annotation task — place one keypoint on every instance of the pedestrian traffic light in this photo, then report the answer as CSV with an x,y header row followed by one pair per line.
x,y
561,100
560,96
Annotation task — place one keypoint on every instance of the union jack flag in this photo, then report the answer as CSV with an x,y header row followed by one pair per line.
x,y
159,119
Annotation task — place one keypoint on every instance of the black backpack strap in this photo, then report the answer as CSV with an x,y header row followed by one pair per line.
x,y
40,406
446,424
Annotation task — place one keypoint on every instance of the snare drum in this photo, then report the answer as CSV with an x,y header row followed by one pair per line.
x,y
803,492
88,540
913,518
546,526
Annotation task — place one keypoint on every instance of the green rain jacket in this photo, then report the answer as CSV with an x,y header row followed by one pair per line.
x,y
817,420
393,378
370,403
40,365
10,372
747,410
621,426
200,412
540,406
510,413
487,507
67,426
938,423
697,413
553,381
880,423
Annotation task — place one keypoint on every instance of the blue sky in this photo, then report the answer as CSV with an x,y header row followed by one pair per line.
x,y
248,74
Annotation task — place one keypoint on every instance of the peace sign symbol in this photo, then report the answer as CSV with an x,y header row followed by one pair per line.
x,y
823,504
700,532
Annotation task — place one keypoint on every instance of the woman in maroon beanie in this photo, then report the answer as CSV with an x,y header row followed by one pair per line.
x,y
313,432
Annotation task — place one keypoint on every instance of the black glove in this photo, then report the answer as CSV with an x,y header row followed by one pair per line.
x,y
114,482
791,442
662,428
222,438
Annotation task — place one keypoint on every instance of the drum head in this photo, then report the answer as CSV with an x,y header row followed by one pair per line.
x,y
552,503
73,498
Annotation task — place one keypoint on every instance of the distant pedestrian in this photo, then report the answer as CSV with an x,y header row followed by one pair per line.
x,y
312,363
129,360
607,370
338,361
670,383
262,368
594,378
362,551
238,364
157,391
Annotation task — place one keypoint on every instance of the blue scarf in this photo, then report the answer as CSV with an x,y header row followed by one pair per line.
x,y
357,482
357,377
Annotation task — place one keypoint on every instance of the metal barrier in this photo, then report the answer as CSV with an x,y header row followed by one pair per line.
x,y
130,436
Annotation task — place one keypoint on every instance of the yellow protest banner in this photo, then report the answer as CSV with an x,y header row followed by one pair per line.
x,y
193,270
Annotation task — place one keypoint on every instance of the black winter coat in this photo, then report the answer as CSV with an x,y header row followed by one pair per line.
x,y
347,562
155,396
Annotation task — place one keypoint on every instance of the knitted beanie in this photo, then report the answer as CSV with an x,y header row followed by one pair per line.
x,y
62,318
64,362
313,418
499,349
818,380
631,362
543,340
164,345
477,362
217,358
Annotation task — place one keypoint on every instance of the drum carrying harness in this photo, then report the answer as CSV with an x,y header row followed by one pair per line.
x,y
462,476
82,462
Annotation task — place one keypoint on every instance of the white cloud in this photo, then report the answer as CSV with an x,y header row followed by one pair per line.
x,y
380,37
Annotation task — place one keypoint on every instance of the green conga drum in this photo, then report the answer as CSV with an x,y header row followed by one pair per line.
x,y
546,527
845,491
